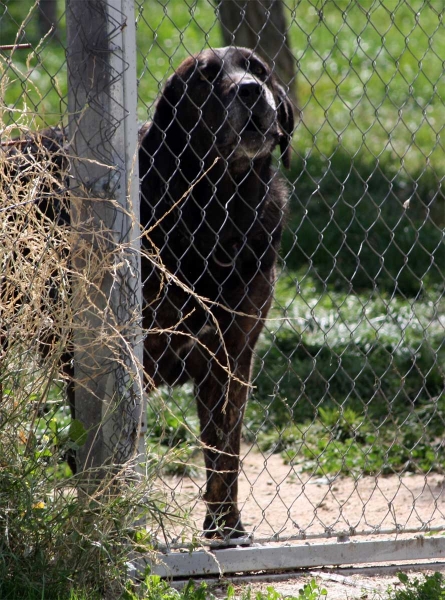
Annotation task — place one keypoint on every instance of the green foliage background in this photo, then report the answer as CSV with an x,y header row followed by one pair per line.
x,y
363,257
363,246
350,370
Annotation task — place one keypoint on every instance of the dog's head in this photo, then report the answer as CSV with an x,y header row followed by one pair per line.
x,y
227,99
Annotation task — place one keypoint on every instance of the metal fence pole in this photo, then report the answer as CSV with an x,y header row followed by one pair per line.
x,y
102,103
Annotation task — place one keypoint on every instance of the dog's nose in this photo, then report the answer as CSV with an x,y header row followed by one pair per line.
x,y
250,92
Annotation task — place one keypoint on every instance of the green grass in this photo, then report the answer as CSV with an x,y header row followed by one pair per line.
x,y
370,78
369,348
350,378
356,224
350,384
370,75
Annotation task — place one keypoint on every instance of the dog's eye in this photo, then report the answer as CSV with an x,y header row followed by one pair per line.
x,y
257,69
208,75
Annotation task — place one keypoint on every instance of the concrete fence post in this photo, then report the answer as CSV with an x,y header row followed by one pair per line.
x,y
103,133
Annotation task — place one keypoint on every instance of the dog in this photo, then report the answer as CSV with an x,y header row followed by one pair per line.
x,y
212,207
212,211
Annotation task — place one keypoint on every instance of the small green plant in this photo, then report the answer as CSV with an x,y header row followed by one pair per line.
x,y
312,591
155,588
269,594
431,587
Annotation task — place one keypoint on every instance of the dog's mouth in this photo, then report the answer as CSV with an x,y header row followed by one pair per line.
x,y
253,125
258,125
252,136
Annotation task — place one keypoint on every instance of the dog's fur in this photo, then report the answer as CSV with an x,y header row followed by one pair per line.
x,y
220,240
216,226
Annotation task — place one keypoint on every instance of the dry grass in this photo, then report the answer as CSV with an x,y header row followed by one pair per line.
x,y
54,282
49,533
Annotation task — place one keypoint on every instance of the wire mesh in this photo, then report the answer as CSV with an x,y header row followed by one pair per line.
x,y
70,386
348,371
342,433
70,262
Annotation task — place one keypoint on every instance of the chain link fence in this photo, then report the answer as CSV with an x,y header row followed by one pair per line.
x,y
343,431
70,298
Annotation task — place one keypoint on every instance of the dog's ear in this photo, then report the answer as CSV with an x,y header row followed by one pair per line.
x,y
152,136
175,95
168,101
286,122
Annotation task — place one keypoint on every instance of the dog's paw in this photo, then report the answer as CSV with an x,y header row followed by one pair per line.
x,y
221,531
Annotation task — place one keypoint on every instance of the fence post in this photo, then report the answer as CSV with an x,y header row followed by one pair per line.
x,y
102,101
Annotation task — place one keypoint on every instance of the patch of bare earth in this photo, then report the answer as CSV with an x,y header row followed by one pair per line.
x,y
279,500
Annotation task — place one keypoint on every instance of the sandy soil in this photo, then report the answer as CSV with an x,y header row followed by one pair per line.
x,y
339,585
278,500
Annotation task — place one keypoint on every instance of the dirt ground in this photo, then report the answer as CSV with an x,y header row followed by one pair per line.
x,y
359,584
279,500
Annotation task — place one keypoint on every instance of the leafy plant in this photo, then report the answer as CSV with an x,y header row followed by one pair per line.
x,y
172,429
431,587
310,591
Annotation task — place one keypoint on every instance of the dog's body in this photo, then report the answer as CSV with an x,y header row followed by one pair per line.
x,y
216,227
218,232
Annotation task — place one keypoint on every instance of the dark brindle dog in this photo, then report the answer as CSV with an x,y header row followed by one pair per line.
x,y
220,239
218,232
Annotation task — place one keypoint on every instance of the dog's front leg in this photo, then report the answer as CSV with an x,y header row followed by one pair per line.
x,y
221,401
221,397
